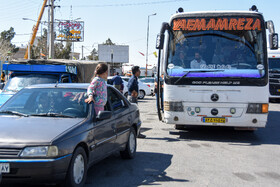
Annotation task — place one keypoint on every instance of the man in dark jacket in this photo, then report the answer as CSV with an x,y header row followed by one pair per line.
x,y
117,82
132,84
133,89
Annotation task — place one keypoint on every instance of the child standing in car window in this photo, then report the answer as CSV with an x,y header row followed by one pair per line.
x,y
97,90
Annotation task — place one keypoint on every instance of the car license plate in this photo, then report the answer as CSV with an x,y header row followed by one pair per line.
x,y
214,120
5,167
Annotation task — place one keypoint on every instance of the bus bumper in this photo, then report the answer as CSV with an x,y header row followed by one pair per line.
x,y
246,120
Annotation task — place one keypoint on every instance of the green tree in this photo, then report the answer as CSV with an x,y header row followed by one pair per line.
x,y
93,55
6,37
108,42
41,47
61,51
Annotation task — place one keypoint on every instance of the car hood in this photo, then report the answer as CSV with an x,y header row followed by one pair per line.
x,y
33,130
5,96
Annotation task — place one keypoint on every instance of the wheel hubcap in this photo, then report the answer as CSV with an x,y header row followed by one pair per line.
x,y
132,142
79,169
141,94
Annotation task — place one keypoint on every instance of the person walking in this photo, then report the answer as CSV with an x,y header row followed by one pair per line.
x,y
133,89
97,90
3,76
117,82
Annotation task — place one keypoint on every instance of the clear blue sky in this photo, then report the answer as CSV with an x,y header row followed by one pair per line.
x,y
124,21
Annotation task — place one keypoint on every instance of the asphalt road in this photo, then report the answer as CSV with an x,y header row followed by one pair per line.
x,y
195,157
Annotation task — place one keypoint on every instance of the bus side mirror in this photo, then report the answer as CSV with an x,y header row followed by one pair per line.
x,y
273,41
160,37
273,37
160,41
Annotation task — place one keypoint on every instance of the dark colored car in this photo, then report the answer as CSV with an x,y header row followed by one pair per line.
x,y
49,134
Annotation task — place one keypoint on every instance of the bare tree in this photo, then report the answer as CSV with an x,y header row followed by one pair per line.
x,y
5,50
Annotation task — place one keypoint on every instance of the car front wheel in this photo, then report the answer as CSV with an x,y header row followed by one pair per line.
x,y
141,94
77,171
131,145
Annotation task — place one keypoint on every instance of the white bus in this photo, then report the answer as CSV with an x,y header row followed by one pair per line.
x,y
215,69
274,75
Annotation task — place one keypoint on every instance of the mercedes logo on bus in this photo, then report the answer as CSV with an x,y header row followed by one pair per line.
x,y
214,97
214,111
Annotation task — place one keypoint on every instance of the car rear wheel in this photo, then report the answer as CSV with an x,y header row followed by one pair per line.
x,y
77,171
131,145
141,94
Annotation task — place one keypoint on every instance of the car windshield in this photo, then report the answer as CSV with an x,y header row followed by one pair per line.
x,y
52,102
147,80
18,82
274,64
236,51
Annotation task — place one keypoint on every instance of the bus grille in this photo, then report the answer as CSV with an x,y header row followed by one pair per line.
x,y
274,89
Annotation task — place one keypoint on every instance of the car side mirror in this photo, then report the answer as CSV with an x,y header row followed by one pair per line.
x,y
2,86
102,115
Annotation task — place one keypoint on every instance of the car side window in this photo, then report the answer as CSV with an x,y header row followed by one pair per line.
x,y
116,100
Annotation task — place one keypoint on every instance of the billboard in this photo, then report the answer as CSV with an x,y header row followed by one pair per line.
x,y
113,53
68,30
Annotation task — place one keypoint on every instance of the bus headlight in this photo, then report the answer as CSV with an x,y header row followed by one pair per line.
x,y
175,106
257,108
232,110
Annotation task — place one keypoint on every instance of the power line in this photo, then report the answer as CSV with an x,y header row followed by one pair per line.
x,y
127,4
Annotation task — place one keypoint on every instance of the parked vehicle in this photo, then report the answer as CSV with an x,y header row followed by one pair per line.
x,y
215,76
49,134
274,75
150,82
143,89
29,72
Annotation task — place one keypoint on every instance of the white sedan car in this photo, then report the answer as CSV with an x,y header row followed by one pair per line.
x,y
143,89
149,81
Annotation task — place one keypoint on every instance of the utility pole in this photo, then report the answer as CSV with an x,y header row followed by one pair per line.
x,y
147,53
51,32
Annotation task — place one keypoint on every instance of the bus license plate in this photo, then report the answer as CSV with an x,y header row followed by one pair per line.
x,y
5,167
214,120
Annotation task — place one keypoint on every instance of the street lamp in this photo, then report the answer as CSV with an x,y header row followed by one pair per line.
x,y
148,42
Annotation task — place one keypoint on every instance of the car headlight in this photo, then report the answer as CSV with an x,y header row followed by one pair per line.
x,y
40,151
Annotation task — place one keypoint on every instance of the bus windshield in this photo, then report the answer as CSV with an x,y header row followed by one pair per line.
x,y
216,47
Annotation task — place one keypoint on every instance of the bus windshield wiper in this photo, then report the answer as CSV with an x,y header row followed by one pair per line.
x,y
198,71
13,113
52,115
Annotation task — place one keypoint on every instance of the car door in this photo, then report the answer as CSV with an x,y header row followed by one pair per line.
x,y
104,134
121,114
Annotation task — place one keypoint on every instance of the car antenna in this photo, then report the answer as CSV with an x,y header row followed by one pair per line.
x,y
56,84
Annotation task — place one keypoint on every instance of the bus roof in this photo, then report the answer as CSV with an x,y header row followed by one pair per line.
x,y
208,13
